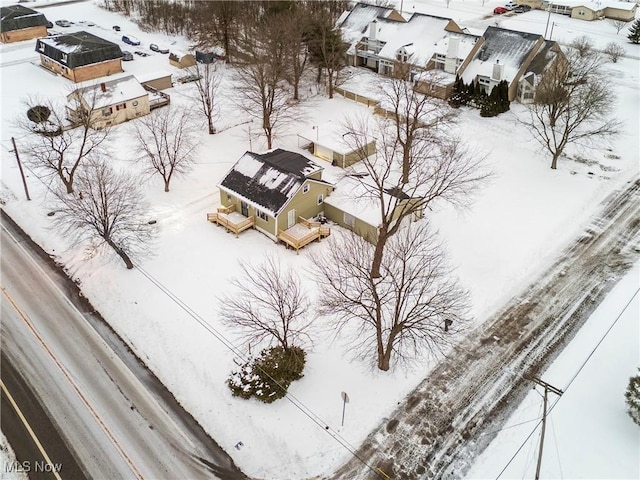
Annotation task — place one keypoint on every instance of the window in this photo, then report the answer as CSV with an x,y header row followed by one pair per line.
x,y
402,56
134,103
305,188
349,220
262,215
41,47
64,57
107,111
320,199
228,198
121,106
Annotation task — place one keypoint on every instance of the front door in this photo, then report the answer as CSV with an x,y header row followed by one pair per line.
x,y
244,209
291,218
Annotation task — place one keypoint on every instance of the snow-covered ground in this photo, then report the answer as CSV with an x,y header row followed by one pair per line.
x,y
589,433
8,462
510,232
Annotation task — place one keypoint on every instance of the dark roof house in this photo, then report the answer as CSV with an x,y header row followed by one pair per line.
x,y
19,23
80,56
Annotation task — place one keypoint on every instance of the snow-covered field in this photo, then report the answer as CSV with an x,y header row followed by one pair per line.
x,y
512,230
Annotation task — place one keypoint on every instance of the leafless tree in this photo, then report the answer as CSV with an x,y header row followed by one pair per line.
x,y
107,208
613,51
165,143
295,31
56,150
269,306
415,309
216,24
439,167
417,118
618,24
328,50
207,87
573,102
261,78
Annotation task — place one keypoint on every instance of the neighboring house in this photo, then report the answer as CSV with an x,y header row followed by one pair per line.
x,y
334,143
155,80
506,55
388,43
549,52
181,59
18,23
80,56
352,206
278,193
109,103
587,9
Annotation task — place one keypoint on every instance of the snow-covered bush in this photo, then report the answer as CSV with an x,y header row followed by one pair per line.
x,y
632,395
268,376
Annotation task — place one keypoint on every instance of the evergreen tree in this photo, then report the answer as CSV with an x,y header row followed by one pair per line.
x,y
634,32
632,395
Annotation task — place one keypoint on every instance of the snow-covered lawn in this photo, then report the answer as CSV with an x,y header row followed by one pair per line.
x,y
511,231
588,434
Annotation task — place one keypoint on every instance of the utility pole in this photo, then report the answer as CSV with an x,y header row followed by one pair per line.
x,y
547,388
24,180
548,18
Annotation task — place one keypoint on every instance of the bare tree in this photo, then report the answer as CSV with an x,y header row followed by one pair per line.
x,y
328,51
573,102
415,309
107,208
296,29
207,87
165,143
613,51
262,78
618,24
269,306
56,150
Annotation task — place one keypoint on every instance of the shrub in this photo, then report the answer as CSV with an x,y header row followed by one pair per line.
x,y
632,396
613,51
268,376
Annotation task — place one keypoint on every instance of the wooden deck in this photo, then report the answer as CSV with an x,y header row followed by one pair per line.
x,y
231,220
303,233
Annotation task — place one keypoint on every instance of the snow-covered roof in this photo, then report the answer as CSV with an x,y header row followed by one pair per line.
x,y
78,49
17,17
508,48
149,76
359,18
418,36
270,179
465,43
595,5
330,135
109,93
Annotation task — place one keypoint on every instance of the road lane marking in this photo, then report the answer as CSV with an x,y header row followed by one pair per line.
x,y
30,430
72,383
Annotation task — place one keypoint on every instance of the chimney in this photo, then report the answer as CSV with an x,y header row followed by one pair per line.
x,y
454,46
498,71
373,28
103,87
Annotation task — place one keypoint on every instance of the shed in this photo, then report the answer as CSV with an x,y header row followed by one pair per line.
x,y
336,144
181,59
155,80
18,23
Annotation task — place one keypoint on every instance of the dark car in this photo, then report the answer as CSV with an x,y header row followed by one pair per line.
x,y
500,10
522,8
63,23
130,40
116,28
141,53
158,48
49,24
127,56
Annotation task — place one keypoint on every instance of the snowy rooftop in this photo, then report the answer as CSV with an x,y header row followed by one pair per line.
x,y
504,47
115,91
270,179
149,76
465,44
359,18
595,5
330,135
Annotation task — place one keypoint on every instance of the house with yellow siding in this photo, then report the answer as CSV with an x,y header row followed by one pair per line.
x,y
279,193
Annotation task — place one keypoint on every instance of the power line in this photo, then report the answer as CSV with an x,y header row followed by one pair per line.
x,y
310,414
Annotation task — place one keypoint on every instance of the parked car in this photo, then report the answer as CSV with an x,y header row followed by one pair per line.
x,y
158,48
86,23
127,56
63,23
130,40
500,10
116,28
49,24
522,8
141,53
511,5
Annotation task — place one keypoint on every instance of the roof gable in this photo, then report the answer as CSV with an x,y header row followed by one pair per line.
x,y
17,17
270,179
78,49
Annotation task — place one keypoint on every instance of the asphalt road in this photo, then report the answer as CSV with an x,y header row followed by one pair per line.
x,y
445,423
116,418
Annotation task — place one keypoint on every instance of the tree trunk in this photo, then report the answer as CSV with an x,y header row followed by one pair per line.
x,y
330,75
406,162
384,359
376,263
125,258
296,95
554,161
212,129
166,185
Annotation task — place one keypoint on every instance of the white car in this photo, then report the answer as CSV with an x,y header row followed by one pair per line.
x,y
511,5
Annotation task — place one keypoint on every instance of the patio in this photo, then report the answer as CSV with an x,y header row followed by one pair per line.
x,y
231,220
